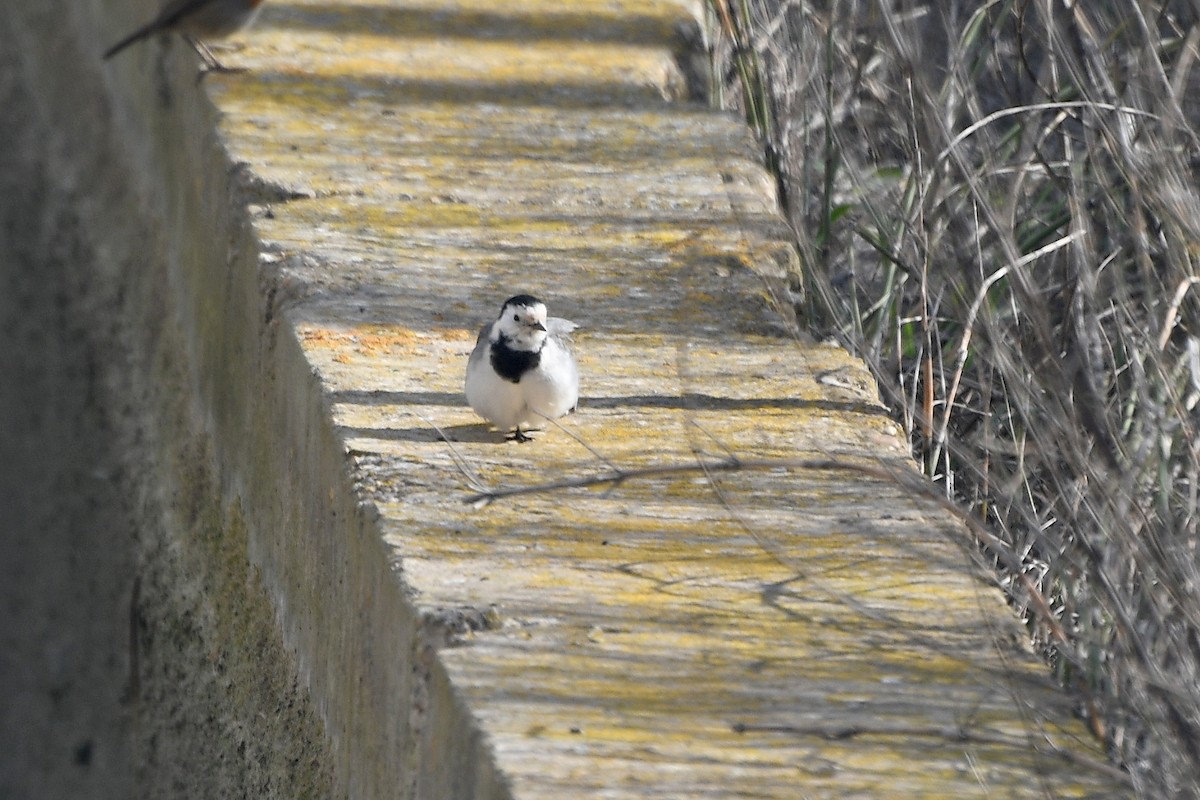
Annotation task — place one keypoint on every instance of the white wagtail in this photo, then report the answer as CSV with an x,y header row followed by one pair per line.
x,y
521,370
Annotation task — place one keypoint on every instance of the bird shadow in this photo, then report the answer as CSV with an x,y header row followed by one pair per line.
x,y
477,433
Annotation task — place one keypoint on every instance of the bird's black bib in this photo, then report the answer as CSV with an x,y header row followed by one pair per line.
x,y
511,364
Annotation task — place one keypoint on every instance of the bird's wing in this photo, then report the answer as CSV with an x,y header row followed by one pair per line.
x,y
480,344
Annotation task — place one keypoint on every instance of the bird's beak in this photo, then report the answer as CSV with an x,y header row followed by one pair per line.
x,y
537,326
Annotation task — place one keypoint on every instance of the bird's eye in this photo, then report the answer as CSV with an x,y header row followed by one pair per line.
x,y
516,317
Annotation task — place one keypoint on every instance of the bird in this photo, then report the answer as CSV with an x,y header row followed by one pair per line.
x,y
195,20
522,370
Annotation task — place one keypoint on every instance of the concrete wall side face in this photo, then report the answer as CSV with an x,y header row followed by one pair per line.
x,y
141,653
66,542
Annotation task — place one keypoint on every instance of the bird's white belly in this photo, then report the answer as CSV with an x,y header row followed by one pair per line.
x,y
549,391
500,402
546,397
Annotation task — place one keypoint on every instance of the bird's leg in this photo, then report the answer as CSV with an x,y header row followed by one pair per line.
x,y
520,436
211,64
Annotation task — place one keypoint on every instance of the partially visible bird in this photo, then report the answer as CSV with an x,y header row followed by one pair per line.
x,y
195,20
521,371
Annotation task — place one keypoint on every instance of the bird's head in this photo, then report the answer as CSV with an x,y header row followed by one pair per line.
x,y
522,322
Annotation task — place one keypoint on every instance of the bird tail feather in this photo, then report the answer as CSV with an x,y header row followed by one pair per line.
x,y
136,36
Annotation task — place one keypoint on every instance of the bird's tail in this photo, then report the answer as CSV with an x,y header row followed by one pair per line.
x,y
557,326
136,36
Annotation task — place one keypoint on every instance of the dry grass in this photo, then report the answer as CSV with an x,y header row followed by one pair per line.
x,y
996,206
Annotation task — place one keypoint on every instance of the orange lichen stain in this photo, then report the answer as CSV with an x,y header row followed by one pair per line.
x,y
458,335
374,340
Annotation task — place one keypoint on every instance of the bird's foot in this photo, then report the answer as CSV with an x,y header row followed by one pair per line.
x,y
211,64
221,69
520,437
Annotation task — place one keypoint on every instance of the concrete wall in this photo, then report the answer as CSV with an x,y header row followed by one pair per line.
x,y
139,655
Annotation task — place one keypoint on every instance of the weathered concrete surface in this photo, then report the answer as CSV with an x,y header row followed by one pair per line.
x,y
316,611
773,633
